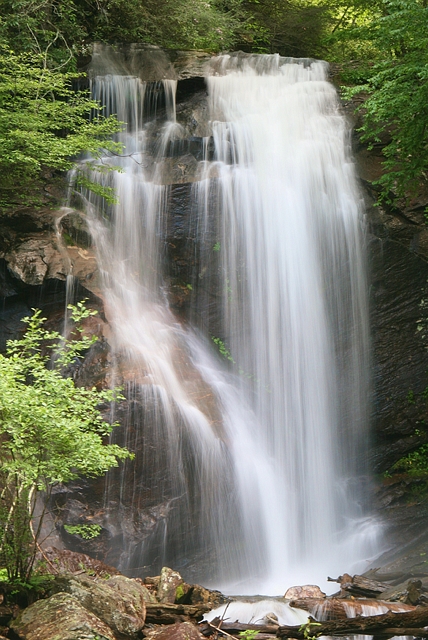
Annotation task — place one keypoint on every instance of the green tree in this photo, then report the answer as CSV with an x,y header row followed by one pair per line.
x,y
395,111
211,25
290,27
50,432
44,125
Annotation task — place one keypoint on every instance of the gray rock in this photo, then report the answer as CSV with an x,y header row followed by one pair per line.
x,y
117,603
131,590
60,617
168,583
409,592
36,259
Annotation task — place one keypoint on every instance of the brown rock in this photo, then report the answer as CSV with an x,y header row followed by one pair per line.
x,y
131,590
60,617
118,602
65,561
305,591
178,631
196,594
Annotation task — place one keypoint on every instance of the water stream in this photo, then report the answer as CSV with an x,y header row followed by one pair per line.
x,y
260,454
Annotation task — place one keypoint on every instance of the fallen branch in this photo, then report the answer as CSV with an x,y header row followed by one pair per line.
x,y
385,625
341,608
232,629
172,613
360,585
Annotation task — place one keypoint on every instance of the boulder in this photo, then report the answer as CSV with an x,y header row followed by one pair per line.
x,y
119,604
35,259
409,592
131,590
60,617
195,594
65,561
168,583
305,591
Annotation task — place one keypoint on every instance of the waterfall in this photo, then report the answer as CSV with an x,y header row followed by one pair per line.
x,y
255,458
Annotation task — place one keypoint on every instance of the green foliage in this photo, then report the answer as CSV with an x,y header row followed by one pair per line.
x,y
177,24
223,350
308,631
395,111
51,432
44,124
414,463
85,531
248,634
290,28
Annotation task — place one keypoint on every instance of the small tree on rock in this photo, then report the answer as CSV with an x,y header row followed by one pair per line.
x,y
51,432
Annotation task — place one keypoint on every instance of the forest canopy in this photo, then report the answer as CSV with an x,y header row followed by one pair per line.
x,y
381,48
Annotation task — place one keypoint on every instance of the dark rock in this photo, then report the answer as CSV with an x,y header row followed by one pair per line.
x,y
196,594
60,617
75,229
409,592
6,613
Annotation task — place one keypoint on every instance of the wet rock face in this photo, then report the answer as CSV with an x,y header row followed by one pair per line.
x,y
39,249
398,254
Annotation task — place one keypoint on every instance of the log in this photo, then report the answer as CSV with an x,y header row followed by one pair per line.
x,y
163,613
360,586
384,626
235,628
341,608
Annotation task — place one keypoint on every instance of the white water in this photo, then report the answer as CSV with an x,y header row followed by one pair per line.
x,y
263,484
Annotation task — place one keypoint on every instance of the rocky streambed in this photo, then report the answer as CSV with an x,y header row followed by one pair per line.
x,y
88,600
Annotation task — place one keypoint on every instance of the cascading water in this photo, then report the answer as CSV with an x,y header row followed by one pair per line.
x,y
262,461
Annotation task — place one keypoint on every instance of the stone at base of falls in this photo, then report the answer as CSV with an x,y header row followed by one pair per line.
x,y
409,592
178,631
60,617
170,588
305,591
200,595
169,581
119,601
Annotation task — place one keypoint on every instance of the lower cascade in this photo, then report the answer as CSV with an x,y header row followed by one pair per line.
x,y
253,410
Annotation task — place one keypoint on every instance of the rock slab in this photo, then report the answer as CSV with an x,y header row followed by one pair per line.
x,y
60,617
118,602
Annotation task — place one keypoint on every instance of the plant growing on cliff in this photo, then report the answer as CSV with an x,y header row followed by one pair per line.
x,y
44,125
50,432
